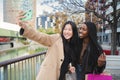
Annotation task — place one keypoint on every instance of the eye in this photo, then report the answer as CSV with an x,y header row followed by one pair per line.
x,y
80,28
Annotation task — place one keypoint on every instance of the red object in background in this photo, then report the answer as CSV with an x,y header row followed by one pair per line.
x,y
4,39
108,52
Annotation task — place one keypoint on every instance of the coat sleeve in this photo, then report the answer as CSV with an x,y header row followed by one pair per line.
x,y
42,38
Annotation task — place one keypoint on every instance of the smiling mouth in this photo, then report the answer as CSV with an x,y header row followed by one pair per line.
x,y
80,34
67,36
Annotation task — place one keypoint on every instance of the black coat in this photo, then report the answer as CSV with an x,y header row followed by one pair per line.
x,y
89,63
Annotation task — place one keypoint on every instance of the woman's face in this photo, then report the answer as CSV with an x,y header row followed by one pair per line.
x,y
83,31
67,31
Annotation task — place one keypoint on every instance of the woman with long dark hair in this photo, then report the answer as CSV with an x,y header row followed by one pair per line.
x,y
62,49
91,58
70,49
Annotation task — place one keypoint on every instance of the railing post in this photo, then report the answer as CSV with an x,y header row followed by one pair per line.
x,y
6,72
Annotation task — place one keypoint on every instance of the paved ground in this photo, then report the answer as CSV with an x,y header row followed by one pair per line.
x,y
115,74
116,77
113,66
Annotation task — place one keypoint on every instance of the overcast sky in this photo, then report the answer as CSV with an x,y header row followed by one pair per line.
x,y
41,8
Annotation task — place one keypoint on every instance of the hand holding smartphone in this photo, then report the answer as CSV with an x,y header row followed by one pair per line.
x,y
28,15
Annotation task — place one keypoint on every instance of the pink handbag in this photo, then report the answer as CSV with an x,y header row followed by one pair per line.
x,y
102,76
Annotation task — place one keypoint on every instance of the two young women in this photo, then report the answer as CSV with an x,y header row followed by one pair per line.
x,y
66,48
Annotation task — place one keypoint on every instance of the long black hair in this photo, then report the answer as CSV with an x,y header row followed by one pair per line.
x,y
94,49
71,46
70,49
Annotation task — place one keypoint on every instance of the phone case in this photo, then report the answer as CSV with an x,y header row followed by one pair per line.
x,y
28,15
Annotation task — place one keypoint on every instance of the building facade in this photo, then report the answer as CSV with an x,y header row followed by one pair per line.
x,y
11,8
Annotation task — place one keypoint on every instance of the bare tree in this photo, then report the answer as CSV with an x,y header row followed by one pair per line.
x,y
73,6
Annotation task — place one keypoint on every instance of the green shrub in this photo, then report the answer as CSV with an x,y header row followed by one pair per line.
x,y
47,31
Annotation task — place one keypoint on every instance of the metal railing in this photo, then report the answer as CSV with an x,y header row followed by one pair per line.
x,y
21,68
27,67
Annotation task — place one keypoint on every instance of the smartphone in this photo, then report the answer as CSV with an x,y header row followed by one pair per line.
x,y
28,15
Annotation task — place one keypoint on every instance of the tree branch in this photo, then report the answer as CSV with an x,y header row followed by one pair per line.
x,y
102,17
118,16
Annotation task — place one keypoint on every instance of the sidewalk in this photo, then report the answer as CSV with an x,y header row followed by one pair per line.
x,y
113,66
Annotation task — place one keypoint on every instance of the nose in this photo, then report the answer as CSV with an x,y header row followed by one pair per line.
x,y
80,30
67,31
